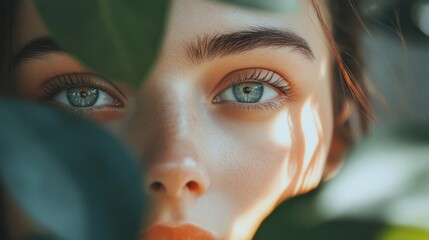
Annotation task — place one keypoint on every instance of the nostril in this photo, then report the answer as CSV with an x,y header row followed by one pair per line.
x,y
157,186
192,186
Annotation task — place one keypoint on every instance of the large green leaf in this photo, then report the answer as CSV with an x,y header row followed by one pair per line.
x,y
69,175
118,39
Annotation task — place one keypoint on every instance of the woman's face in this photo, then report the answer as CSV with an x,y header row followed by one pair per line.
x,y
235,116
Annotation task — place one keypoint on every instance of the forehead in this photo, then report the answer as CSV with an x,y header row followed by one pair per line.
x,y
216,14
191,19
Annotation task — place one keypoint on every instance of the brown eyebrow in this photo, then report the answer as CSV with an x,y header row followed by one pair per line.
x,y
218,45
36,49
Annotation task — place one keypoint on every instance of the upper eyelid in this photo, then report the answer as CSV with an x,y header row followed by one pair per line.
x,y
236,77
105,83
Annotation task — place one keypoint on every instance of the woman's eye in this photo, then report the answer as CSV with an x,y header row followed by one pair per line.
x,y
82,91
84,97
247,92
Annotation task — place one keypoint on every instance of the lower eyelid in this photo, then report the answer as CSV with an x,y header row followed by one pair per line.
x,y
276,104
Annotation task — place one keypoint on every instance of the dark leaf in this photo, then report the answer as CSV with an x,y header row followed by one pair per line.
x,y
117,39
68,174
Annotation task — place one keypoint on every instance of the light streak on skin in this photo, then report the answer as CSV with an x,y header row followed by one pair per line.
x,y
323,72
313,164
282,130
310,122
188,162
318,155
247,224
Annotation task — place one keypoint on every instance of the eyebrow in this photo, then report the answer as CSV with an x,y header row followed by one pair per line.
x,y
204,48
218,45
36,49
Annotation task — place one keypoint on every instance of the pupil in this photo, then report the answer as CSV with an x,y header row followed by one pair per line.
x,y
83,94
247,90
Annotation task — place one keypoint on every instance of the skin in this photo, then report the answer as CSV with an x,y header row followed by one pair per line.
x,y
220,165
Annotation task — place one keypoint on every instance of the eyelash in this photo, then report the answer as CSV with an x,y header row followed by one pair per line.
x,y
279,83
63,82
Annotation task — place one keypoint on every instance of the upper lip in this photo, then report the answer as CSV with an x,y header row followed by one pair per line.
x,y
182,232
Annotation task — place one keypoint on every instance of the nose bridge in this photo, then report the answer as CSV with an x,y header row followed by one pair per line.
x,y
176,122
173,164
162,119
173,113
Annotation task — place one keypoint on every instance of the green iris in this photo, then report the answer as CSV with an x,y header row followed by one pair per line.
x,y
82,96
249,92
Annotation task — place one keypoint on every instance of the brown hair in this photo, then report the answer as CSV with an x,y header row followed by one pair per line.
x,y
344,41
7,9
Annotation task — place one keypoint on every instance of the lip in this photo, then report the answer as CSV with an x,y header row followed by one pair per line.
x,y
182,232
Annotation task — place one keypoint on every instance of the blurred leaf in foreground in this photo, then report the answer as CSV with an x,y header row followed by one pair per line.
x,y
117,39
69,175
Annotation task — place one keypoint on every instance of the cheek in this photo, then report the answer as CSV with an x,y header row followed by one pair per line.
x,y
249,170
260,164
255,165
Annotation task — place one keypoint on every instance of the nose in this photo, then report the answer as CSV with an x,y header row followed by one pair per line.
x,y
167,135
177,179
173,160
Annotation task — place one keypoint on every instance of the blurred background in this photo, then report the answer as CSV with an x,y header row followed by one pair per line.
x,y
397,58
386,177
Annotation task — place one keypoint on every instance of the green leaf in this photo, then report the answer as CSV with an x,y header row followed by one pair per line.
x,y
117,39
68,174
280,6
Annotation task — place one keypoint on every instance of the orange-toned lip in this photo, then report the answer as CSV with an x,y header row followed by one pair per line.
x,y
183,232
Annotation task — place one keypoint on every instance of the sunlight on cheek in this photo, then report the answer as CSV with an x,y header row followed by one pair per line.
x,y
314,158
247,225
280,180
249,222
323,72
282,130
311,127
